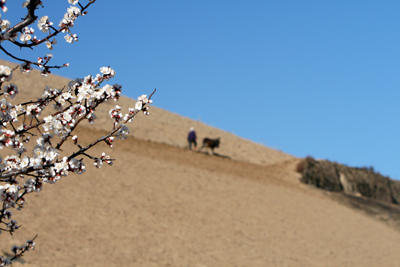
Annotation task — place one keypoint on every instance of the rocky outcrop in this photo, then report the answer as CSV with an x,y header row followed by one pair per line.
x,y
336,177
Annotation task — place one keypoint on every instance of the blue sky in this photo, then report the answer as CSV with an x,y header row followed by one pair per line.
x,y
317,78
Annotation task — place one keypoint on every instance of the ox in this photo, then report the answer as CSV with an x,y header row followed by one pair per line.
x,y
210,143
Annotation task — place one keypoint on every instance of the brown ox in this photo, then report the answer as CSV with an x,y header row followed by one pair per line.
x,y
210,143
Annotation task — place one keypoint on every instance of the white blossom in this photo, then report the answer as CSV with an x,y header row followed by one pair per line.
x,y
69,38
7,114
73,11
44,23
24,37
11,163
3,7
49,45
139,105
144,99
58,124
33,110
26,3
127,118
115,114
19,108
26,67
5,25
91,117
98,162
5,73
85,92
35,162
123,132
10,90
61,166
24,162
6,138
50,92
8,195
107,72
76,166
26,34
64,97
69,18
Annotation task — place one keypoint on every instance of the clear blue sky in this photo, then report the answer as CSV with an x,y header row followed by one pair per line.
x,y
317,78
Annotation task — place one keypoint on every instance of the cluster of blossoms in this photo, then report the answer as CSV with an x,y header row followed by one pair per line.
x,y
141,104
116,115
69,18
23,36
30,244
4,261
26,34
73,104
44,23
7,113
107,72
22,173
8,194
98,162
6,138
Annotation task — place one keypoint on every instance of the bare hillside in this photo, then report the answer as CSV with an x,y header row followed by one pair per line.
x,y
161,126
163,205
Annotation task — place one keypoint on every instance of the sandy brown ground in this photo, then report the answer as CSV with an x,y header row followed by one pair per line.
x,y
162,126
162,205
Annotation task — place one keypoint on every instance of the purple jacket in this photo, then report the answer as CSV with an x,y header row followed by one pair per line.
x,y
192,136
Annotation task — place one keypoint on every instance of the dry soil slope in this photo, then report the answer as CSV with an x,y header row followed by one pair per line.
x,y
162,205
161,126
165,206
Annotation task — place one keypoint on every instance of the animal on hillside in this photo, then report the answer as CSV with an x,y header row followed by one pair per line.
x,y
210,143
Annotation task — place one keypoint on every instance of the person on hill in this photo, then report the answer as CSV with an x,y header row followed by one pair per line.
x,y
192,138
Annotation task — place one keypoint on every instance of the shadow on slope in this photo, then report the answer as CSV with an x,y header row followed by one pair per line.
x,y
214,154
386,212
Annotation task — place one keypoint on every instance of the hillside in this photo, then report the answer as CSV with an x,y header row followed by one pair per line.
x,y
163,205
161,126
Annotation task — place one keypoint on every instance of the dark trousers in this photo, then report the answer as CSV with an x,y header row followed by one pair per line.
x,y
190,144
